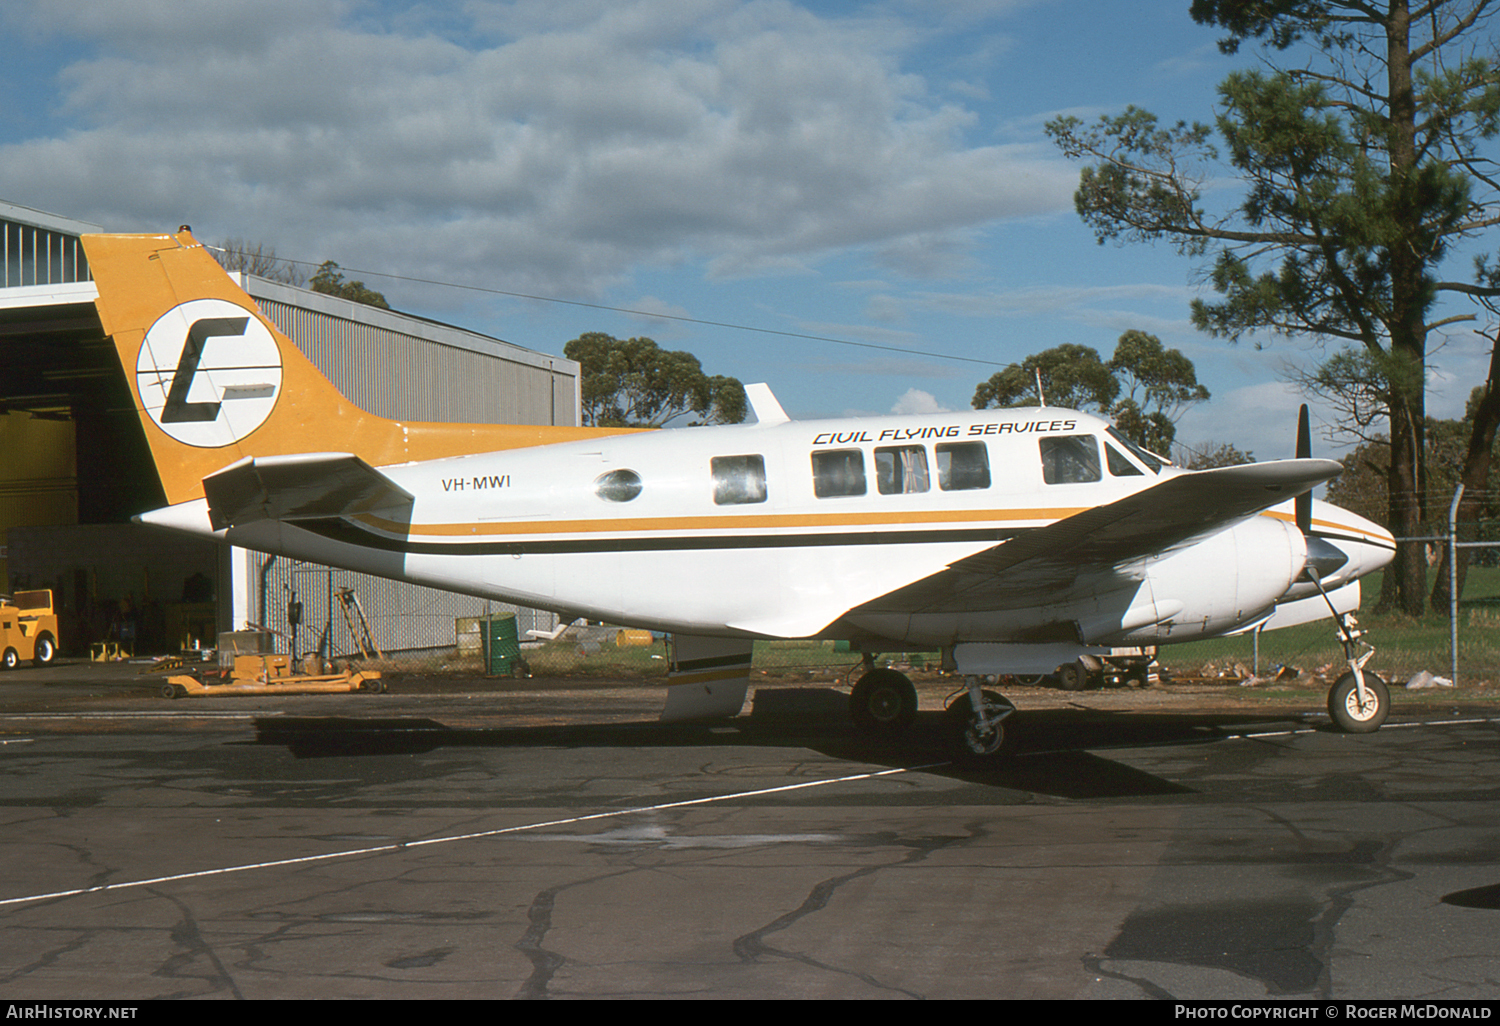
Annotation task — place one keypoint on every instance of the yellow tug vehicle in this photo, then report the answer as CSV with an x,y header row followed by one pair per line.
x,y
28,628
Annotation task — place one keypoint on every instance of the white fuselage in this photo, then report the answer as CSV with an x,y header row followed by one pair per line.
x,y
765,531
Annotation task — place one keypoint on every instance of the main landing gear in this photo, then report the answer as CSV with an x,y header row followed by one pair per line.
x,y
884,703
976,725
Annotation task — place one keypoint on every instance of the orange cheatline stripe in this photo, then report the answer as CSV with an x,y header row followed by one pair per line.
x,y
727,523
1292,519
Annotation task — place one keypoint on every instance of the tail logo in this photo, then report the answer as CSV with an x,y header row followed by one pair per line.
x,y
208,373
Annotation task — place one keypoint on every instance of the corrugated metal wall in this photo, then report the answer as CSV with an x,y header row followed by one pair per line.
x,y
403,376
35,256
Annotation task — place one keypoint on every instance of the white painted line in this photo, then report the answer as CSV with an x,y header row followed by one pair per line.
x,y
400,845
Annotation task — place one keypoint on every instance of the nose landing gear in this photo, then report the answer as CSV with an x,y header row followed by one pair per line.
x,y
1359,701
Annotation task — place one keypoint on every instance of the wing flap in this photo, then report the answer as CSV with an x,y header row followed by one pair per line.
x,y
299,487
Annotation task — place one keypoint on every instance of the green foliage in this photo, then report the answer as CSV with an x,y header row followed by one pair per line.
x,y
1363,162
330,280
1211,455
1072,376
1280,22
635,383
1157,383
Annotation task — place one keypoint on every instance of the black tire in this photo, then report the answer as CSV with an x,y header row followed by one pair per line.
x,y
971,748
883,702
10,659
1072,676
1344,707
45,651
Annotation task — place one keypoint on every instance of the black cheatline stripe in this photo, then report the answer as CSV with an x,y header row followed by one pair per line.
x,y
351,534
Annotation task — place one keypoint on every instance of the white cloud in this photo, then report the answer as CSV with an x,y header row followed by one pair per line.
x,y
914,400
535,146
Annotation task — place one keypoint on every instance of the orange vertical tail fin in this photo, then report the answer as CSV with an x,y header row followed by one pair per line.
x,y
214,381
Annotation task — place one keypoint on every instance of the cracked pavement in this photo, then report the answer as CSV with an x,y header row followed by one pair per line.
x,y
401,847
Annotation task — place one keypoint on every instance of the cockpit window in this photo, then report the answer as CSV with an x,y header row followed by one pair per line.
x,y
618,485
963,466
901,470
1118,465
1151,460
838,472
739,480
1070,459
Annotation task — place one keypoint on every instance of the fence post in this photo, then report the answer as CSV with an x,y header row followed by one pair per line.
x,y
1453,583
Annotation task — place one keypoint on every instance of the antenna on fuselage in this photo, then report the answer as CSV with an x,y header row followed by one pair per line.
x,y
1041,399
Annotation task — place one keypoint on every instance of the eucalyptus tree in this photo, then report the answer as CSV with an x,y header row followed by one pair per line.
x,y
633,382
1144,387
1361,147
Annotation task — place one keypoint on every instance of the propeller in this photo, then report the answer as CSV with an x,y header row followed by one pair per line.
x,y
1304,452
1323,558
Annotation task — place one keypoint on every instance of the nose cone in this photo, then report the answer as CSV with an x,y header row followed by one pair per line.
x,y
1367,545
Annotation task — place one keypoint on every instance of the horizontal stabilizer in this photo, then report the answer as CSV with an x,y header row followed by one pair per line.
x,y
299,487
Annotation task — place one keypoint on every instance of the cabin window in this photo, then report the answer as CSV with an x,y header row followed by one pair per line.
x,y
738,480
963,466
1119,466
618,485
838,472
1070,459
901,470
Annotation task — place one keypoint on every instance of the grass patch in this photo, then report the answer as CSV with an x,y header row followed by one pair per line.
x,y
1404,644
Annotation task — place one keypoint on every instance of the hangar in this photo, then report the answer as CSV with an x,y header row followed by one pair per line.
x,y
76,467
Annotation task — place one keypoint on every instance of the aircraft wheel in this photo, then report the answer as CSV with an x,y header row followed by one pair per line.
x,y
10,660
1353,718
45,651
973,748
169,691
883,702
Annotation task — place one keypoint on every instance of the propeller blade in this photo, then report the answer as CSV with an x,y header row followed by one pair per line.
x,y
1304,451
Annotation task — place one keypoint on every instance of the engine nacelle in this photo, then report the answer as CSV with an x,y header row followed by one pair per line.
x,y
1216,585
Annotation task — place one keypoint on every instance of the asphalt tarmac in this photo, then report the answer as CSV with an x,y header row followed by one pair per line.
x,y
554,842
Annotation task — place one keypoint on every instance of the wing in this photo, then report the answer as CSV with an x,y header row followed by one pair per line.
x,y
1158,519
299,487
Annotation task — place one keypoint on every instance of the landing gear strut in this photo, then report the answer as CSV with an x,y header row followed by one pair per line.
x,y
1359,701
976,726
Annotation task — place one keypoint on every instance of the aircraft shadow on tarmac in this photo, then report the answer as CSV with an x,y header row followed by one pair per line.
x,y
1056,751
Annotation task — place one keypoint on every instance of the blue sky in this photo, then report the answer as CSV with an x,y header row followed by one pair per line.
x,y
873,172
